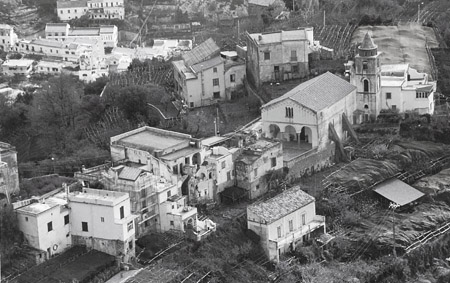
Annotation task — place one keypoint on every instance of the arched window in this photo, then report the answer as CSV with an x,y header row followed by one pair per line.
x,y
366,85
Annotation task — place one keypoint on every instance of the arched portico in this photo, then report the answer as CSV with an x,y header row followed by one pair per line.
x,y
274,131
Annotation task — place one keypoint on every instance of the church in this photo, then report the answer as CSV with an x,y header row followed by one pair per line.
x,y
398,87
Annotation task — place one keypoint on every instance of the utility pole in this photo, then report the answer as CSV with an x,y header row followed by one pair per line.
x,y
293,5
323,17
393,206
238,31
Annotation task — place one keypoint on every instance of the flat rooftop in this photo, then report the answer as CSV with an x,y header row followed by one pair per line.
x,y
39,207
180,153
281,205
100,197
153,139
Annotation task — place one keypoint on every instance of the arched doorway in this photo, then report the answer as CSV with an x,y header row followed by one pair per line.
x,y
306,135
274,130
196,159
291,134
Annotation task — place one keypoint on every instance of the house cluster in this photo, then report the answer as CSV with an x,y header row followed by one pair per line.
x,y
80,51
96,9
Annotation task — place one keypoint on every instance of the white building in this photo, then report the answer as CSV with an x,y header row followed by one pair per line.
x,y
102,220
405,89
45,223
69,10
7,37
96,9
17,67
108,34
106,9
49,67
285,221
98,219
201,77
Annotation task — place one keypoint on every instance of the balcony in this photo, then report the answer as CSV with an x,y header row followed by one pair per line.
x,y
317,222
294,59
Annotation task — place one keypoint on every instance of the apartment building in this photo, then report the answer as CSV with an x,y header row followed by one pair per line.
x,y
69,10
108,34
96,9
17,67
7,37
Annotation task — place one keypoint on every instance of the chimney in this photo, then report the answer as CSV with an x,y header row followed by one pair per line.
x,y
66,189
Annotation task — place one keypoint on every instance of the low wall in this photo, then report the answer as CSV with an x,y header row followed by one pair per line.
x,y
311,161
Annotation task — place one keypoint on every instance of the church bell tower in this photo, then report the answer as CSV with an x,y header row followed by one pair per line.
x,y
366,76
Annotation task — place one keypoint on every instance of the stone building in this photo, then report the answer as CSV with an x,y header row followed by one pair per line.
x,y
278,56
9,174
285,221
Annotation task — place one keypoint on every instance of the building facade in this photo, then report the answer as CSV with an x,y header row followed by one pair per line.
x,y
108,34
285,221
17,67
7,37
102,220
96,9
9,173
252,166
279,56
302,116
70,10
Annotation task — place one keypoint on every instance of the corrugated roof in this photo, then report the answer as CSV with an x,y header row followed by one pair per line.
x,y
207,64
318,93
398,191
129,173
367,43
281,205
204,51
71,4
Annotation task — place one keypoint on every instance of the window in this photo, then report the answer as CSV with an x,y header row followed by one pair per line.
x,y
293,55
84,227
366,85
232,78
216,94
279,231
289,112
295,69
61,11
257,187
130,244
224,164
303,219
102,219
214,70
228,175
273,161
394,107
365,65
75,10
421,95
291,226
26,219
66,219
68,11
143,192
130,225
255,171
122,212
215,82
168,194
276,68
49,226
191,104
388,95
171,223
267,55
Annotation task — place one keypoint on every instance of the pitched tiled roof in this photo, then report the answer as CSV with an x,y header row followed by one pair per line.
x,y
204,51
207,64
367,43
281,205
318,93
71,4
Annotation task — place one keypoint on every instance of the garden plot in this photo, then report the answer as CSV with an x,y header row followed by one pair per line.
x,y
401,44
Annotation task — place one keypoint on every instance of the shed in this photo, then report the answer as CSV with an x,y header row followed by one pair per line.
x,y
398,192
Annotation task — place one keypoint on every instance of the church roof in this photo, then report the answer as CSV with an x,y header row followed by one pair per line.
x,y
318,93
367,43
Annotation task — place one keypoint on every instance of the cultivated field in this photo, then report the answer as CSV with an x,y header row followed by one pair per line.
x,y
401,44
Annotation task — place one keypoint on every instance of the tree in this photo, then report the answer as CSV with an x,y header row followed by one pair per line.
x,y
10,235
55,112
132,101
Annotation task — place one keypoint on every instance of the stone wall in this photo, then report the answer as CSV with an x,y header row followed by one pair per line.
x,y
311,162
